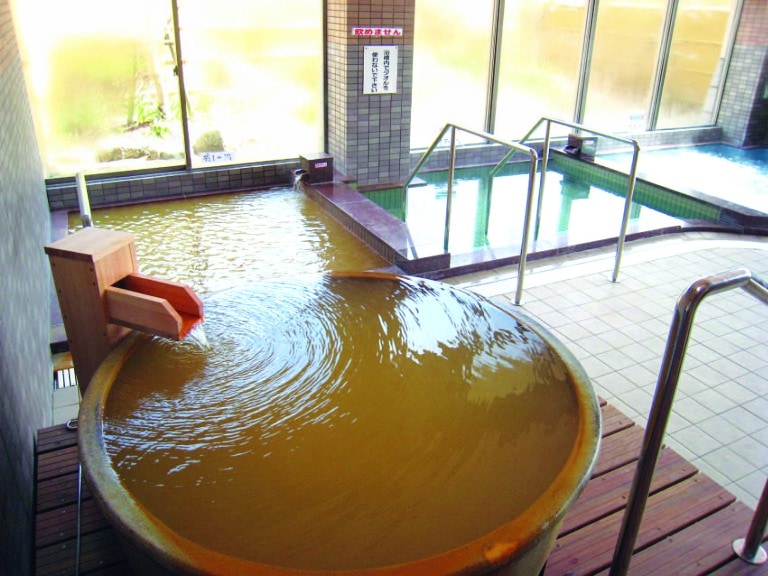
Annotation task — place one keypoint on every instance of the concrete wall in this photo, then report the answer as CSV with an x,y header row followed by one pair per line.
x,y
25,366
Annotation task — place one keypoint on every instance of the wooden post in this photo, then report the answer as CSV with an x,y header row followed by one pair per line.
x,y
102,296
84,265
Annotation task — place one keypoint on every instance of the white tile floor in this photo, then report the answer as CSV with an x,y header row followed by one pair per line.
x,y
618,331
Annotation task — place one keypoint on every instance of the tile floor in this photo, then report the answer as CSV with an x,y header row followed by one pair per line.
x,y
618,331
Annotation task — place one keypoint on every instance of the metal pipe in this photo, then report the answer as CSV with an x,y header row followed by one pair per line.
x,y
422,161
627,207
543,175
83,201
669,375
526,227
749,549
449,197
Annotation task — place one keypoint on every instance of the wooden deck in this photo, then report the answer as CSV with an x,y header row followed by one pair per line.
x,y
688,526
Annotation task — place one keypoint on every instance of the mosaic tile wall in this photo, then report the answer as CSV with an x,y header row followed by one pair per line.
x,y
647,193
744,109
26,377
369,135
110,191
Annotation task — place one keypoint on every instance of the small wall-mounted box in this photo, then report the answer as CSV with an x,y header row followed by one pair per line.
x,y
318,166
583,147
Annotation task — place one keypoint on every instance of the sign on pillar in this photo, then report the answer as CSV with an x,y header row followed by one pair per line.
x,y
379,69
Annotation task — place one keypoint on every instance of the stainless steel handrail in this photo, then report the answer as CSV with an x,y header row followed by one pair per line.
x,y
521,147
83,201
630,186
669,374
515,147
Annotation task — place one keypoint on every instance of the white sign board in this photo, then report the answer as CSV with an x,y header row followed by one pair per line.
x,y
379,69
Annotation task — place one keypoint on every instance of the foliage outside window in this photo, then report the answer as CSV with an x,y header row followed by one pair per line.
x,y
105,94
450,66
254,78
623,64
101,84
541,52
696,63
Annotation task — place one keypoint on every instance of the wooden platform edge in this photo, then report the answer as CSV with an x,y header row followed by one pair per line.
x,y
688,526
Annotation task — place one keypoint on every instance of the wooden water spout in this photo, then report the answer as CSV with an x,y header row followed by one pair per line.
x,y
103,297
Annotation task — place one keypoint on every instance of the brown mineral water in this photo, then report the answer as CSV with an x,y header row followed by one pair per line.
x,y
342,422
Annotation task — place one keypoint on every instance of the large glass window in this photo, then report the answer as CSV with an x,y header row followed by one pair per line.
x,y
695,64
101,84
106,97
452,42
623,67
540,59
254,78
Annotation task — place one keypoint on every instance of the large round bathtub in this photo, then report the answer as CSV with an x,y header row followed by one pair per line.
x,y
349,423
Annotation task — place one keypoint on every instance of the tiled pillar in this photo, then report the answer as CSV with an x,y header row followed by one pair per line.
x,y
744,109
369,134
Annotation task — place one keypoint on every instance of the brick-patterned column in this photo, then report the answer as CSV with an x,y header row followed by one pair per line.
x,y
369,135
744,109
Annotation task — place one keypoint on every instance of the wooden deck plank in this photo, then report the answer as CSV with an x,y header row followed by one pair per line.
x,y
614,421
699,548
738,567
57,463
687,517
618,453
55,437
60,524
608,493
590,550
59,491
98,550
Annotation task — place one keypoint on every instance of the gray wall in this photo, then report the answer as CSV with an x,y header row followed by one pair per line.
x,y
744,109
25,366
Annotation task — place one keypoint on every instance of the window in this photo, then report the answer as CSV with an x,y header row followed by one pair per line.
x,y
695,64
106,97
254,78
101,84
450,69
623,66
540,58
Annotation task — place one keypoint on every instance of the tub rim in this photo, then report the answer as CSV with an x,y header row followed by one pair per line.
x,y
491,551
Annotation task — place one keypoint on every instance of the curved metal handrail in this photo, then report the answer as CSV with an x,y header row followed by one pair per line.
x,y
514,147
632,173
748,549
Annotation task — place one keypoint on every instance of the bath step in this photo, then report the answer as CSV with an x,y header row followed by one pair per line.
x,y
688,526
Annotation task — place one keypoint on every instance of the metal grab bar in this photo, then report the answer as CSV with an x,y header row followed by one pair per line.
x,y
677,340
630,186
83,201
520,147
514,147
